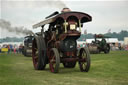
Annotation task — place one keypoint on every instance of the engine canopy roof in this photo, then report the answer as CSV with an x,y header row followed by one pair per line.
x,y
83,17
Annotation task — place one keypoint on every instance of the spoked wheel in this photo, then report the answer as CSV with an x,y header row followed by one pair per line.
x,y
37,54
69,64
54,60
107,49
84,62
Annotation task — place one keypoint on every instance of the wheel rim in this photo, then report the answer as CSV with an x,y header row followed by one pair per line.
x,y
107,50
54,61
35,54
85,63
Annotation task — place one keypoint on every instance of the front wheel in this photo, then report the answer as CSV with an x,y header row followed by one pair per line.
x,y
54,60
107,49
84,57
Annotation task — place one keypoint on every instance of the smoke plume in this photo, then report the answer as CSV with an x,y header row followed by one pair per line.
x,y
55,3
35,3
19,30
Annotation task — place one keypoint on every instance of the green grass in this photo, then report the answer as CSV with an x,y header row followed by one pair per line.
x,y
106,69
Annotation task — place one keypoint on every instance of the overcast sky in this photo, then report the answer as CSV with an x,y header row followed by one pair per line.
x,y
106,14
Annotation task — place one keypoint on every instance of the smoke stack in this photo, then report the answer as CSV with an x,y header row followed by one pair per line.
x,y
56,12
65,10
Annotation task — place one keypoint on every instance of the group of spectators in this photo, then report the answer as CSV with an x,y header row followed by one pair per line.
x,y
12,48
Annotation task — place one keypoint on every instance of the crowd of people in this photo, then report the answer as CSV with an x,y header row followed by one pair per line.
x,y
11,48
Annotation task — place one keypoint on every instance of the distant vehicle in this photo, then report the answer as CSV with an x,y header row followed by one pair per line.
x,y
98,46
27,48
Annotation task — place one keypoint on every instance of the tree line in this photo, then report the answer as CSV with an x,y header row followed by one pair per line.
x,y
119,35
11,39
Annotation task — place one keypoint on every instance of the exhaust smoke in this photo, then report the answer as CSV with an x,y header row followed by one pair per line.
x,y
47,3
56,3
36,4
18,30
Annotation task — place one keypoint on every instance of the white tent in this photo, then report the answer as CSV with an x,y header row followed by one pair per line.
x,y
81,42
126,40
109,40
12,43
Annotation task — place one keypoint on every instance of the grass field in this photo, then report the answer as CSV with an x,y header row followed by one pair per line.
x,y
106,69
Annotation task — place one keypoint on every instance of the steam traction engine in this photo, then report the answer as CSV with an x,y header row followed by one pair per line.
x,y
58,44
98,46
27,48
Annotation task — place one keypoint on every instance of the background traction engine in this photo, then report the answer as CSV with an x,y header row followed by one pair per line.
x,y
58,44
98,46
27,48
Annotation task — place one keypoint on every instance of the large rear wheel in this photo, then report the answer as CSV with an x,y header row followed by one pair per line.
x,y
38,54
54,60
84,56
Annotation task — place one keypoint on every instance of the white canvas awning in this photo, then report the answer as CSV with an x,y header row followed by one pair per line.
x,y
109,40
